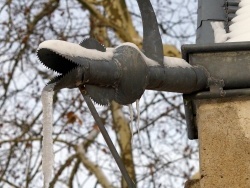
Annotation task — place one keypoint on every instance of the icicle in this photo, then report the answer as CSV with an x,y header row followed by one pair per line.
x,y
138,118
47,144
131,120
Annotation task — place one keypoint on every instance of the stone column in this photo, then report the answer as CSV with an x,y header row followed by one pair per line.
x,y
224,139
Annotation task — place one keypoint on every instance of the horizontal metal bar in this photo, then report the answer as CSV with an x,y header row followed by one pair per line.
x,y
126,69
211,95
177,79
218,47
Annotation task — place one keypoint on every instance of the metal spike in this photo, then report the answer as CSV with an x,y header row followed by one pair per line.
x,y
71,79
91,43
55,61
101,95
152,43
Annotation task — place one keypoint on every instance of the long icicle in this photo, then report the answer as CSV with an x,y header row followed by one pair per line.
x,y
131,120
138,118
47,143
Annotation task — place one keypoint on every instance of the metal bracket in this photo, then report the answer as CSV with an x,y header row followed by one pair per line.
x,y
228,69
216,86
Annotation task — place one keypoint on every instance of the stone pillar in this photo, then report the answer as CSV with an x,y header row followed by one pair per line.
x,y
224,138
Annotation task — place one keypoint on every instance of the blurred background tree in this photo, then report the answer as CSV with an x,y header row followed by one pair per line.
x,y
163,158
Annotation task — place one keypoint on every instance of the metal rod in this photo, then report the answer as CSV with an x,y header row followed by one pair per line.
x,y
106,137
226,94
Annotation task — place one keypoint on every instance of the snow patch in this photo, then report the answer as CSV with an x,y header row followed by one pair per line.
x,y
239,31
240,17
148,61
47,143
75,50
220,34
242,38
175,62
167,61
129,44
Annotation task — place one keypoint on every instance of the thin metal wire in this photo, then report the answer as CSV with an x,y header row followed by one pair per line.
x,y
107,138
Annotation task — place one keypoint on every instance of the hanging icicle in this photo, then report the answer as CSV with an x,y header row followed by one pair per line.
x,y
47,143
131,120
138,117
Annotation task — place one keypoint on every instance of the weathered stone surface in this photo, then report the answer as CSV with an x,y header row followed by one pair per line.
x,y
224,137
192,184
